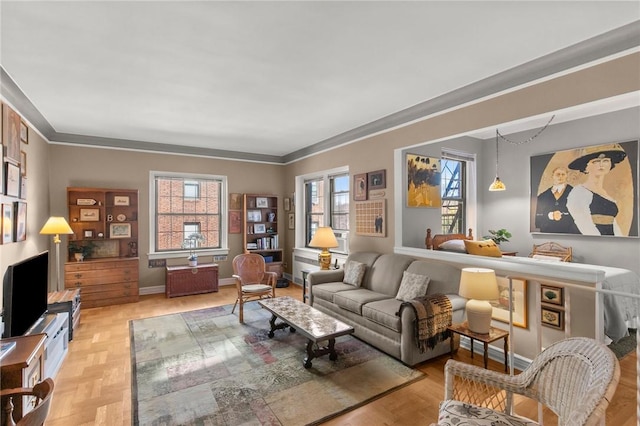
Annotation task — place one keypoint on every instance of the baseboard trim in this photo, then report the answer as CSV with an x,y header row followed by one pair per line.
x,y
495,353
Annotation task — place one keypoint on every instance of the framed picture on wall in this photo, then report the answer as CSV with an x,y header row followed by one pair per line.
x,y
7,224
501,305
360,187
89,215
12,142
377,180
551,294
12,177
235,221
20,209
423,181
120,230
371,218
553,318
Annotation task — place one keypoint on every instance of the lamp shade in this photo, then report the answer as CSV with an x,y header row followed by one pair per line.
x,y
497,185
478,284
56,225
324,238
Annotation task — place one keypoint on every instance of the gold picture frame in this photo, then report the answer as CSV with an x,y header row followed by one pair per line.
x,y
500,306
89,215
120,230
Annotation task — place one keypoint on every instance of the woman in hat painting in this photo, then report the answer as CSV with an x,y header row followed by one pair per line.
x,y
592,208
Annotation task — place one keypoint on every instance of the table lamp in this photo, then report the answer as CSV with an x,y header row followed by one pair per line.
x,y
478,285
325,239
55,226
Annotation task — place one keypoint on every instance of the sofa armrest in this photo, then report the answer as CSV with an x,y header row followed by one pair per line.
x,y
324,276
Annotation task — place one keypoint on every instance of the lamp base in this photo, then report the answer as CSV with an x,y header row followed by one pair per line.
x,y
324,258
479,316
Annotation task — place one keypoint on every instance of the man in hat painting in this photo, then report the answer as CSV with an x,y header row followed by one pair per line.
x,y
593,209
552,214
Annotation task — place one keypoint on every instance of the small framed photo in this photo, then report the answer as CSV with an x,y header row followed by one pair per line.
x,y
552,318
7,224
23,163
377,179
262,202
259,228
292,221
12,178
24,132
551,294
360,187
20,231
89,215
121,200
120,230
287,204
254,216
88,233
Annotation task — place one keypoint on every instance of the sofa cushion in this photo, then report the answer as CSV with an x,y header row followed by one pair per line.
x,y
353,300
327,290
384,312
412,286
483,248
354,272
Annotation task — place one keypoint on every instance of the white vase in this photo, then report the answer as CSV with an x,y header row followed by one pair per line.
x,y
193,262
79,257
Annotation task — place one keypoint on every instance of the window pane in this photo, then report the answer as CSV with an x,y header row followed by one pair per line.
x,y
187,206
453,196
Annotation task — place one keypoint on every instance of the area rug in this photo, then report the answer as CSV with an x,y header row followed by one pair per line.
x,y
203,367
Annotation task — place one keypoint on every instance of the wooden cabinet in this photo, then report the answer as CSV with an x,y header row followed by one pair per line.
x,y
23,367
105,228
103,282
186,280
66,301
261,229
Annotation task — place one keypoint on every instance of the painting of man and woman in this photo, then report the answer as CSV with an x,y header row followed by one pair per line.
x,y
588,191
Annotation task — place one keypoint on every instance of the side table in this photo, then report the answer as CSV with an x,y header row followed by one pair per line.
x,y
493,335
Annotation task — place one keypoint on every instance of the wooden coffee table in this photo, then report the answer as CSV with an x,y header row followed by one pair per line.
x,y
316,326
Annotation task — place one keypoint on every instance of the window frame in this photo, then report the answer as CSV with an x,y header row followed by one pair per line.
x,y
223,250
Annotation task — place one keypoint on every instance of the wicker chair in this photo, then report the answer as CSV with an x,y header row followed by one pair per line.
x,y
575,378
252,280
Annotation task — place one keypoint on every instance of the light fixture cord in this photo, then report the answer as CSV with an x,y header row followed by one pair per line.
x,y
527,140
497,162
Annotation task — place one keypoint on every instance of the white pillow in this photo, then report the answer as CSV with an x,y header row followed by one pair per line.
x,y
353,273
412,286
453,245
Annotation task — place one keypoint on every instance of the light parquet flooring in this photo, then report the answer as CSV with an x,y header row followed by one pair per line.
x,y
93,386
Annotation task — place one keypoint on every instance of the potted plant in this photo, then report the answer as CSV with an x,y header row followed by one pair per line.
x,y
80,251
499,236
192,242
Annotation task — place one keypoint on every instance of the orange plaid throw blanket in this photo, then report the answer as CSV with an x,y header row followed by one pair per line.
x,y
433,316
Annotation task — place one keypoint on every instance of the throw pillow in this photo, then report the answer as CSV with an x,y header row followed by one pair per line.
x,y
453,245
412,286
483,248
354,272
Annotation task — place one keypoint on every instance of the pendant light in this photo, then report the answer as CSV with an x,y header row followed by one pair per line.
x,y
497,184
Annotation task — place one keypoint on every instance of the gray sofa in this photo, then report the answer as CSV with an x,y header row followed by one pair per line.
x,y
372,308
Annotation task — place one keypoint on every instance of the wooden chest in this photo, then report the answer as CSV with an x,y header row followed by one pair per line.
x,y
185,280
103,282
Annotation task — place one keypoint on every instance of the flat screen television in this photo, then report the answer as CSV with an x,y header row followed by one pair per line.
x,y
25,293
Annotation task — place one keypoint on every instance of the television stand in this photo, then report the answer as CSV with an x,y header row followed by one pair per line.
x,y
56,344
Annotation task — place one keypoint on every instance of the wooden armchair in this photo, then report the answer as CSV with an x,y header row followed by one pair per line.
x,y
575,378
40,396
552,249
252,280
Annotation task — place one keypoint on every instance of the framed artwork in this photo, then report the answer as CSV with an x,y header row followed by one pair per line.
x,y
262,202
20,221
501,306
259,228
235,221
287,204
566,184
89,215
235,201
377,180
12,178
121,200
292,221
12,138
553,318
24,132
371,218
23,163
120,230
23,188
254,216
423,181
551,294
7,224
360,187
88,233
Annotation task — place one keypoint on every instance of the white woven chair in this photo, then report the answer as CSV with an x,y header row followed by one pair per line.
x,y
575,378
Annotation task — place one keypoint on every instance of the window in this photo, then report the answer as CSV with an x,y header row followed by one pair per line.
x,y
326,202
453,175
184,204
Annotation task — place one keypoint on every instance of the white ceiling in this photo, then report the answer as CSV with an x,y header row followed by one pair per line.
x,y
269,77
